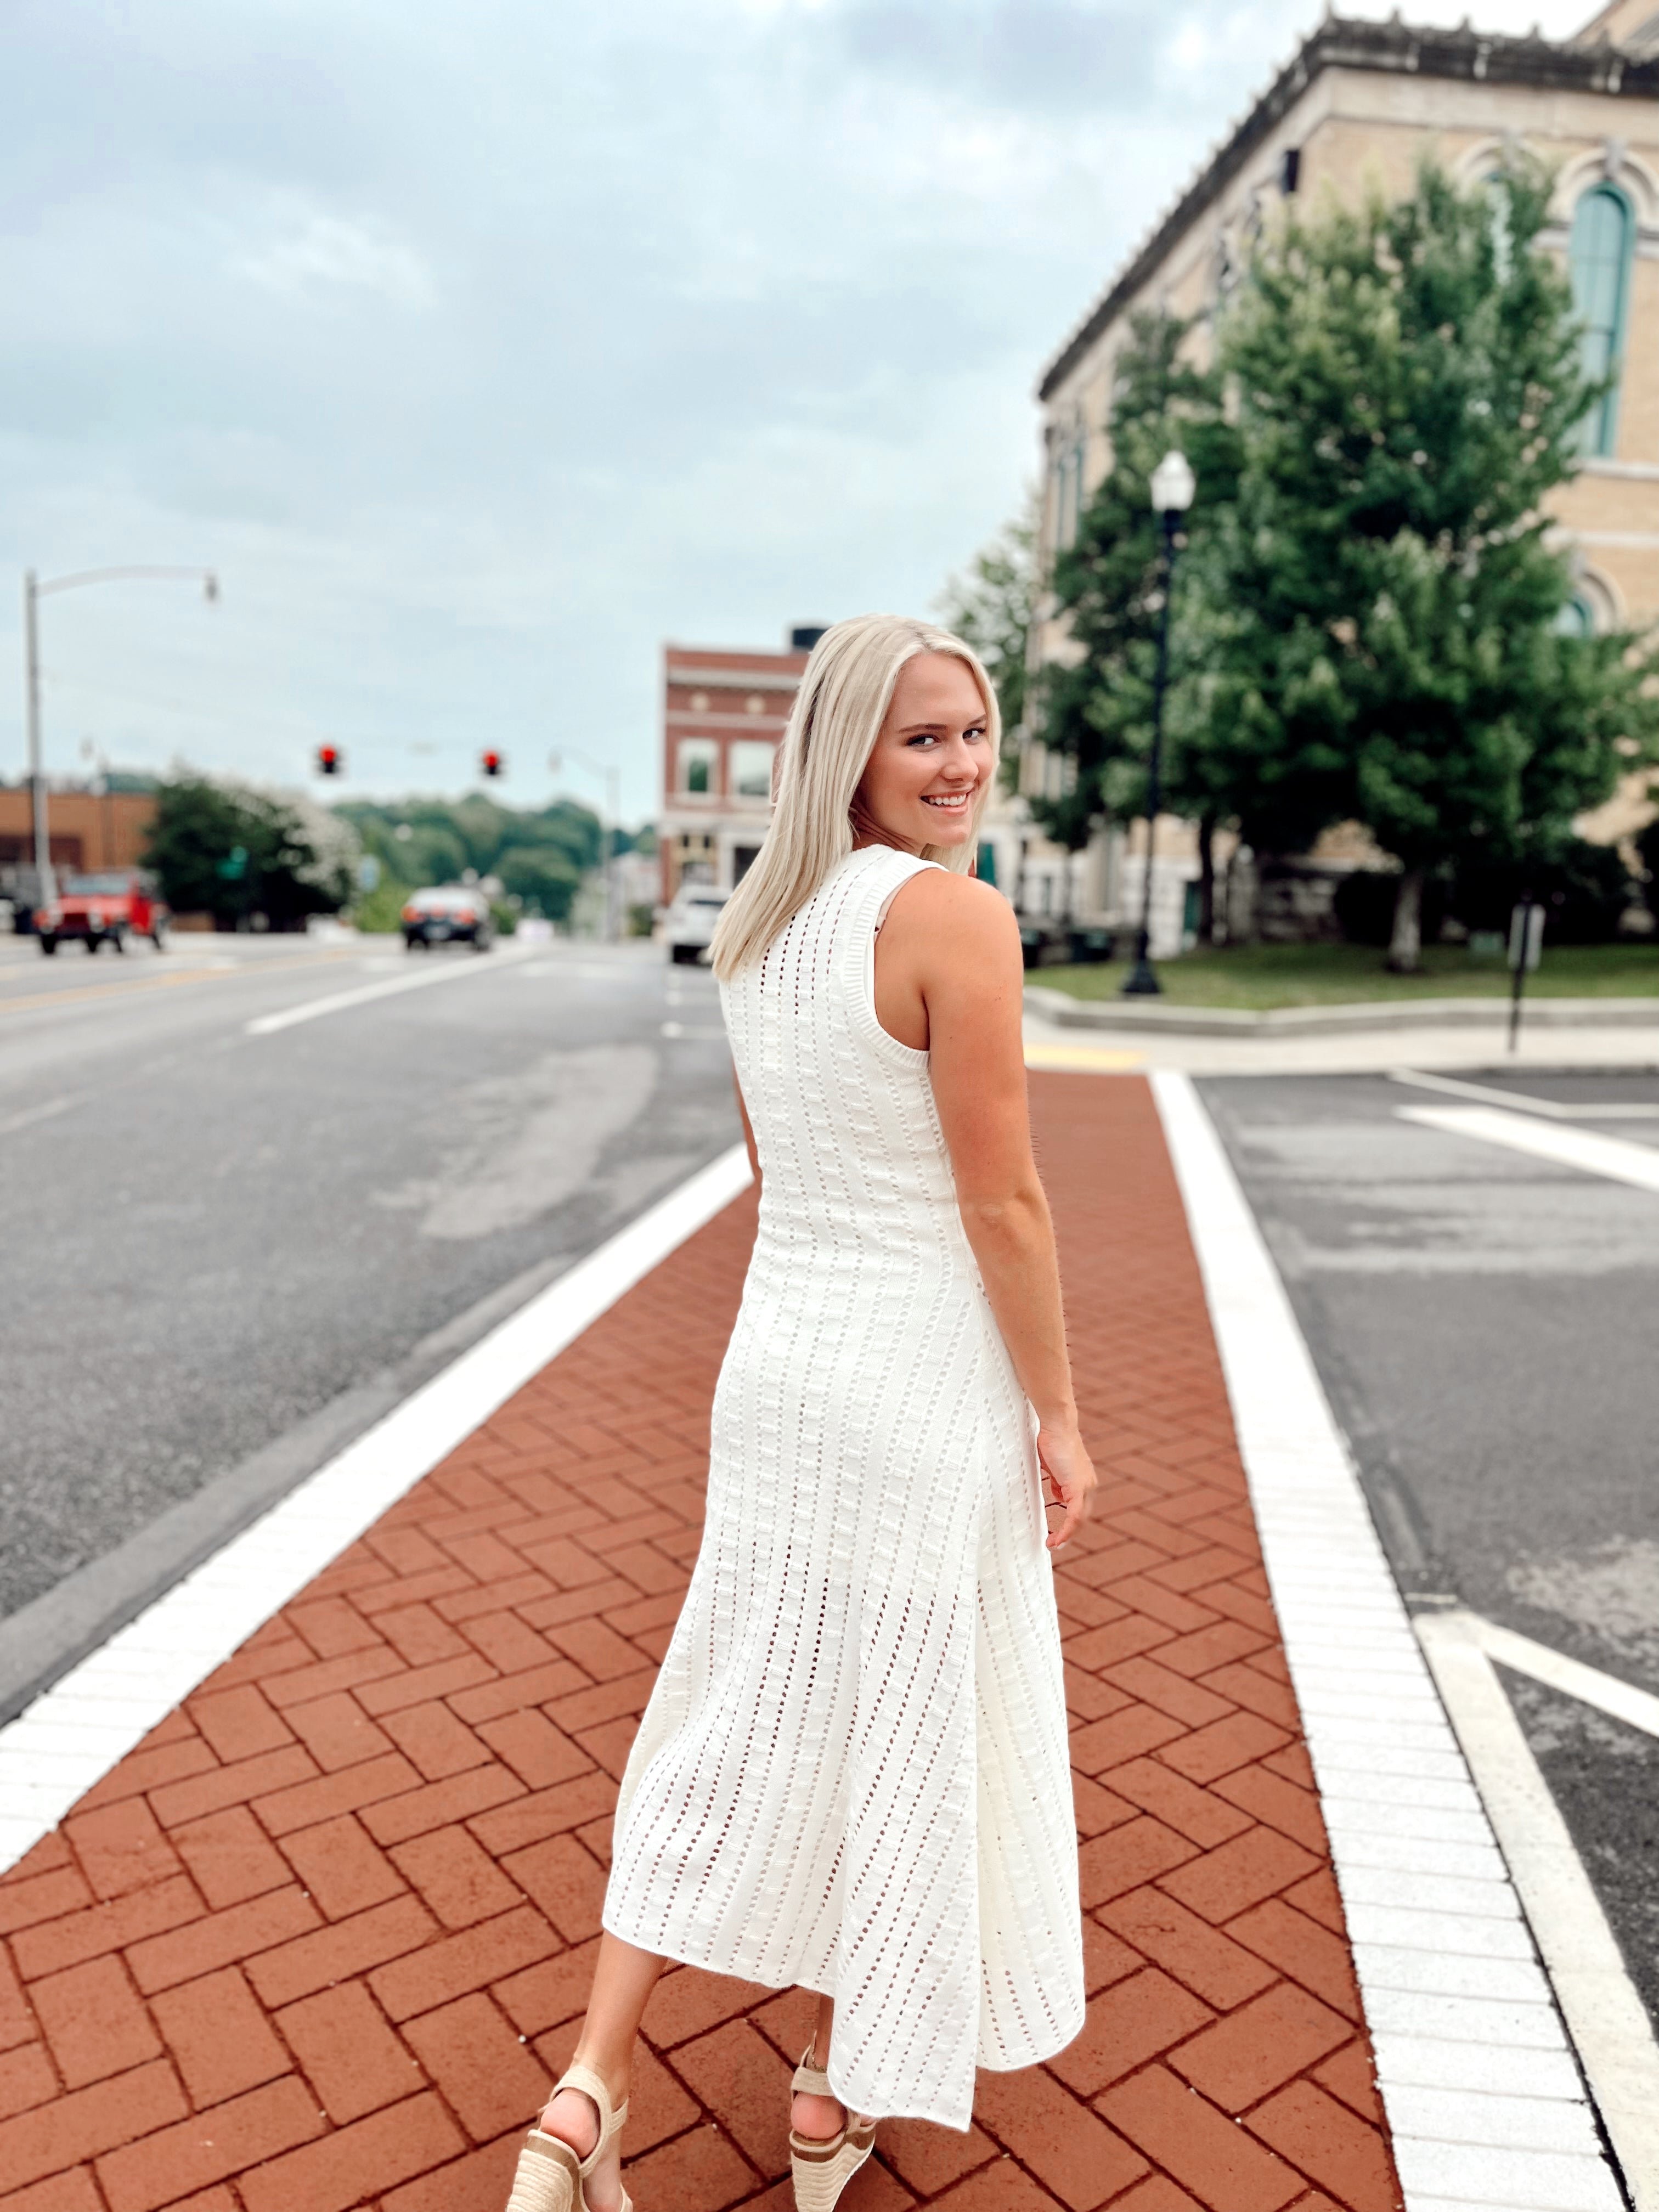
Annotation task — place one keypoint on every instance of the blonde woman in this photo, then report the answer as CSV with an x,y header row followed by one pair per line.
x,y
852,1775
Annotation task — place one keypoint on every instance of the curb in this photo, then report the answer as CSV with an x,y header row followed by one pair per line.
x,y
1064,1011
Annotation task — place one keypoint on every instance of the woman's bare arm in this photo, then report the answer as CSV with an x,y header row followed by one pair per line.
x,y
950,977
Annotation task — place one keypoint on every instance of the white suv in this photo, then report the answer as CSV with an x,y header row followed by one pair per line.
x,y
688,924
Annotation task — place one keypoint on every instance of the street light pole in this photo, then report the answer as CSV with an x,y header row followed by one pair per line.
x,y
45,888
1173,487
34,591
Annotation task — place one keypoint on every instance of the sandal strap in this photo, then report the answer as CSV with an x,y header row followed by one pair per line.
x,y
588,2083
811,2080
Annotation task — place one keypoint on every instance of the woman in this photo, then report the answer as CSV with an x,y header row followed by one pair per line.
x,y
852,1775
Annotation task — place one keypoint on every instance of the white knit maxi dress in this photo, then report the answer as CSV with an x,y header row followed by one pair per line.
x,y
853,1774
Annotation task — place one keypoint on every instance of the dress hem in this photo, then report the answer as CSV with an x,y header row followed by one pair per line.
x,y
933,2115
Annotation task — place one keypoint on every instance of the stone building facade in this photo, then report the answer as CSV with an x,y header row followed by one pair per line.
x,y
1359,107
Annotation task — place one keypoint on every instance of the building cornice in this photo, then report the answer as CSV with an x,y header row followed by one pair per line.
x,y
1392,48
685,678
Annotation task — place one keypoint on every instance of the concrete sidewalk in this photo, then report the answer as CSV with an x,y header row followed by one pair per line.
x,y
322,1939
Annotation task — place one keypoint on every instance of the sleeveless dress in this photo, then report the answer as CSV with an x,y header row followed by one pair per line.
x,y
853,1774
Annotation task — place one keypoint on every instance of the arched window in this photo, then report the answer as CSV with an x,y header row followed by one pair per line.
x,y
1598,258
1576,618
1068,490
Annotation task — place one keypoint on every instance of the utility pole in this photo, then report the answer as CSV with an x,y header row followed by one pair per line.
x,y
34,592
46,887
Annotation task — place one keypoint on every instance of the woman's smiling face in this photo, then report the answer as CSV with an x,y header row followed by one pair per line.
x,y
923,778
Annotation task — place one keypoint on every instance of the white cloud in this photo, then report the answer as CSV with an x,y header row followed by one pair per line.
x,y
483,349
330,253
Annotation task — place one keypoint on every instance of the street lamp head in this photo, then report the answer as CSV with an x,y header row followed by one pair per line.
x,y
1174,484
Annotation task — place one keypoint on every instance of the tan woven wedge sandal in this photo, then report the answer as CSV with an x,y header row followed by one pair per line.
x,y
822,2169
550,2175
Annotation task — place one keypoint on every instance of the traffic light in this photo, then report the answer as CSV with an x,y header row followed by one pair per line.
x,y
329,760
493,764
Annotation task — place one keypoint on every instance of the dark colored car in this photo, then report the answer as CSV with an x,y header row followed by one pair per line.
x,y
449,913
105,908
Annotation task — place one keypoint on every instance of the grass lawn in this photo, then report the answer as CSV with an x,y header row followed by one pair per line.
x,y
1260,976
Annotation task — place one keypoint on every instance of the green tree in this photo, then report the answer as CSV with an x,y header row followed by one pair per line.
x,y
235,850
1385,604
992,606
540,855
1096,708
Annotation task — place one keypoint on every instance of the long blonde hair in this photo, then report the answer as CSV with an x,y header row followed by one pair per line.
x,y
839,709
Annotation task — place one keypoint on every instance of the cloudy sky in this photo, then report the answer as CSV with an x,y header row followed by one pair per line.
x,y
482,345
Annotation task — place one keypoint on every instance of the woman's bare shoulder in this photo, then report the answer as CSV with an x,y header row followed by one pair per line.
x,y
938,911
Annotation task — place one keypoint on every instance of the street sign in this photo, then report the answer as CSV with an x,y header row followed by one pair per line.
x,y
1526,950
1527,935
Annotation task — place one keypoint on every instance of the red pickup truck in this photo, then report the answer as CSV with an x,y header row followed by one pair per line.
x,y
106,909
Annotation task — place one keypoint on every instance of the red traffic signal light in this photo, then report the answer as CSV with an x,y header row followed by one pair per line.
x,y
493,764
329,760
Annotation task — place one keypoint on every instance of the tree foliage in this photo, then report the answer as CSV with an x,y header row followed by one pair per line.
x,y
1369,621
539,857
1097,706
1388,598
236,850
992,608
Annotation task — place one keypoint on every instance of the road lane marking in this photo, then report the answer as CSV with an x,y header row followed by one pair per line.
x,y
69,1739
1605,2016
111,990
1371,1715
339,1002
1613,1157
40,1113
1639,1709
217,971
1622,1110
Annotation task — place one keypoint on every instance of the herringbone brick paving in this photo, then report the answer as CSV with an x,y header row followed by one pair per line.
x,y
321,1941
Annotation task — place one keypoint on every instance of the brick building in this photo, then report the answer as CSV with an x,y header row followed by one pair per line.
x,y
723,715
1359,107
87,829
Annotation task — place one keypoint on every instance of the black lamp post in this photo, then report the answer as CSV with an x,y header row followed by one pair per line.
x,y
1173,487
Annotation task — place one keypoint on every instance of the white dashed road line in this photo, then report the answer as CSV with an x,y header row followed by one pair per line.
x,y
339,1002
1613,1157
1485,2102
1553,1110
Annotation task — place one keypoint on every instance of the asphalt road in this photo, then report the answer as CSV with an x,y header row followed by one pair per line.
x,y
226,1252
1484,1323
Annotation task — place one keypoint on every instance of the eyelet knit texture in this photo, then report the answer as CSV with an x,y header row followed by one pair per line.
x,y
853,1773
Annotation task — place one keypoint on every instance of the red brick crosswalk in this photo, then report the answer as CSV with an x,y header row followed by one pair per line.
x,y
321,1941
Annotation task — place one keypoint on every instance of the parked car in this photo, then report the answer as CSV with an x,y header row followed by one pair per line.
x,y
447,914
688,924
105,908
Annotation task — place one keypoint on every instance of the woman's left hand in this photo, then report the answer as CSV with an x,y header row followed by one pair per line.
x,y
1070,1477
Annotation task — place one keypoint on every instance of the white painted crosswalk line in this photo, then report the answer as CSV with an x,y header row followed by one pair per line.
x,y
1616,1158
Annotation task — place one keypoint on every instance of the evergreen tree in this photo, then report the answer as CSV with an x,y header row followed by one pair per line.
x,y
1097,706
1385,604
